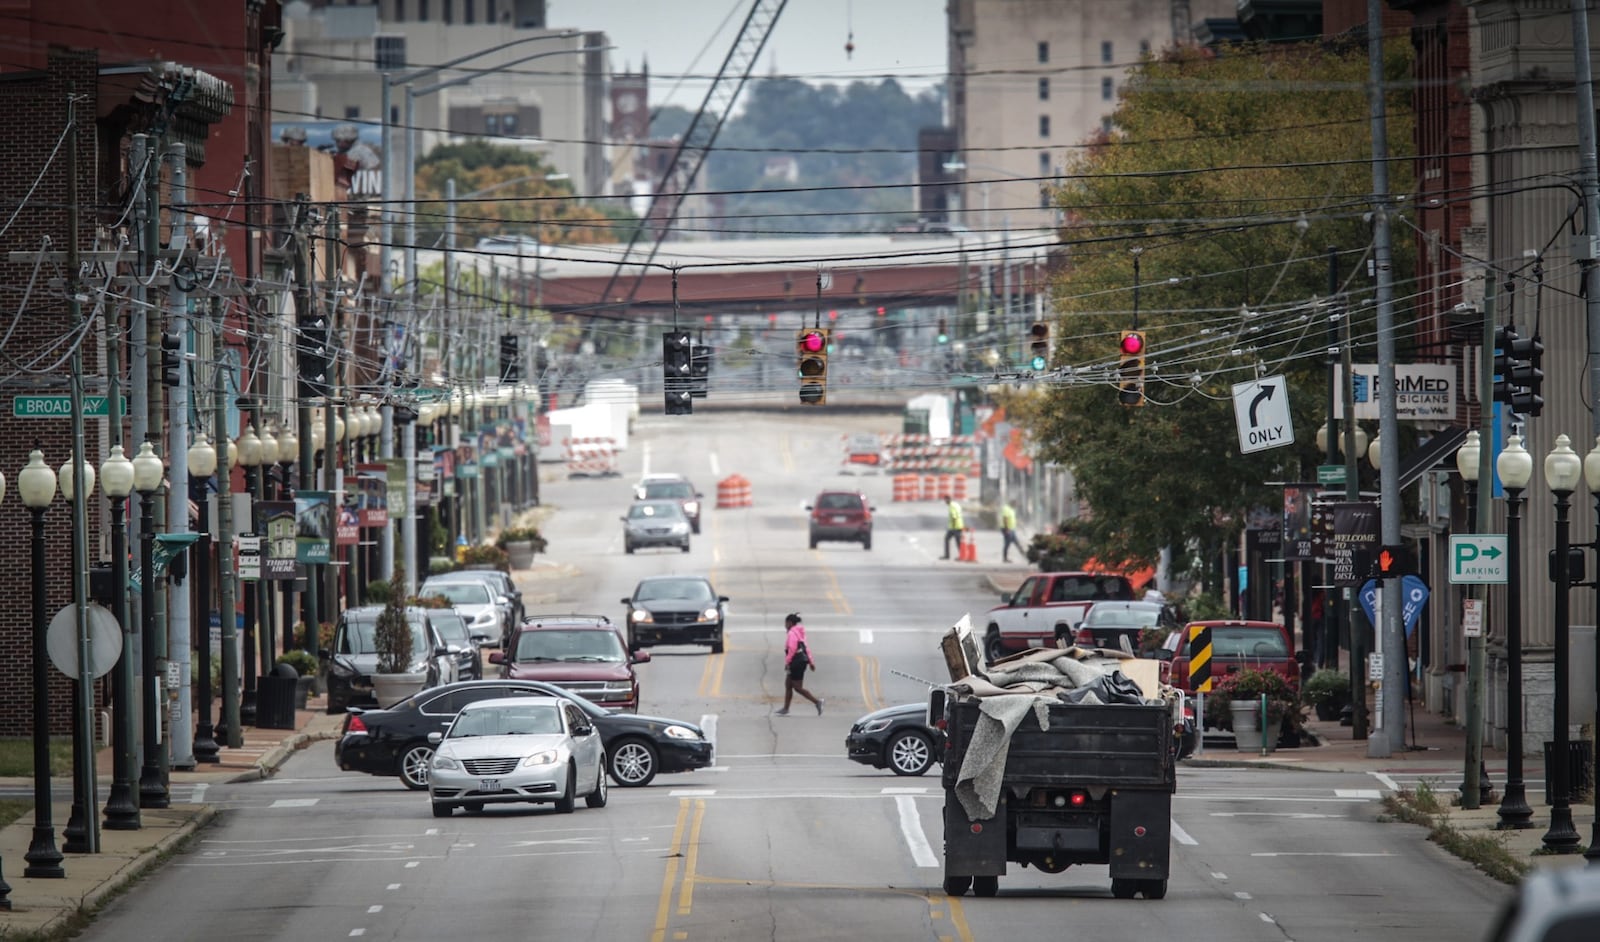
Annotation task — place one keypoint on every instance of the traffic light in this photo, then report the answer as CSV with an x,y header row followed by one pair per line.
x,y
1039,345
172,356
699,370
811,349
1130,370
1518,378
1392,562
313,356
676,354
510,359
944,335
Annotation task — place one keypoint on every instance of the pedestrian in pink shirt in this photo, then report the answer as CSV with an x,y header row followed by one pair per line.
x,y
796,659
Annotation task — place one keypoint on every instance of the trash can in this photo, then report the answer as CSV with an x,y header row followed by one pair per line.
x,y
275,692
1580,763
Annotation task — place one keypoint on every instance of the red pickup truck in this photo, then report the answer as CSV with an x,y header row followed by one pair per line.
x,y
1236,645
1047,606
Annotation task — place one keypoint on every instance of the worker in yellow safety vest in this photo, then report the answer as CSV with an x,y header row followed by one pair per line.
x,y
954,527
1008,528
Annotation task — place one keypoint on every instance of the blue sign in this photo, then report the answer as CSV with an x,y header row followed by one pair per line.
x,y
1413,592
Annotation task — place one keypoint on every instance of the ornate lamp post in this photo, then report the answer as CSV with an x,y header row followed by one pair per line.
x,y
250,458
1562,468
148,473
260,491
80,819
1467,458
202,460
288,454
1591,475
122,806
37,484
1515,467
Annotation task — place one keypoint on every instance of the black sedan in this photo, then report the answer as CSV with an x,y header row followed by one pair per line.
x,y
897,738
675,610
395,741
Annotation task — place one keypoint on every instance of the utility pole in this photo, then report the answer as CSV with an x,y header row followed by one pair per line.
x,y
178,634
1330,619
154,772
330,441
1589,182
305,269
1352,490
233,735
1473,780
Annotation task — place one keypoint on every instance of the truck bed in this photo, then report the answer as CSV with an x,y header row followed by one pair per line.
x,y
1117,745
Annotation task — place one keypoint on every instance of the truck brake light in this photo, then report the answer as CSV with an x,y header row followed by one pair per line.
x,y
1084,636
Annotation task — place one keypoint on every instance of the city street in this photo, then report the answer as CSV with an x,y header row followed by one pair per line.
x,y
784,838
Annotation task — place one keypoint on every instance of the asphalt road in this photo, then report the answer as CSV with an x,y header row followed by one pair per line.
x,y
784,839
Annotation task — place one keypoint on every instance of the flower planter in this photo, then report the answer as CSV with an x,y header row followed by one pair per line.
x,y
521,553
1246,725
390,689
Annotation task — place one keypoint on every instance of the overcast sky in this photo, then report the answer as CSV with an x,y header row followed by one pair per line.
x,y
903,38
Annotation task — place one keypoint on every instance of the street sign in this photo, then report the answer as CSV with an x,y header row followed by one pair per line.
x,y
1330,474
60,407
1472,618
1478,559
1413,596
1261,410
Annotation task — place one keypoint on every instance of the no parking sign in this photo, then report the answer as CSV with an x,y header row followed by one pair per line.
x,y
1414,595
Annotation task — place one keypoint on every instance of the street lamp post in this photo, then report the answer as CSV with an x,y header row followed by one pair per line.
x,y
148,473
1591,475
288,454
81,835
1562,468
202,460
250,459
122,805
265,642
37,484
1515,467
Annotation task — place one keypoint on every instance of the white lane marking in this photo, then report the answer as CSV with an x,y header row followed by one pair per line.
x,y
377,908
905,791
1267,918
866,636
1369,793
1315,853
716,554
691,793
1182,836
430,832
1388,782
645,462
1241,895
715,468
294,802
393,886
708,725
911,827
412,863
557,840
1193,797
716,768
1301,815
356,932
199,793
1218,876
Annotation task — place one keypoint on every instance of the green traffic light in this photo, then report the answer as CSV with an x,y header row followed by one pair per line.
x,y
1037,363
944,338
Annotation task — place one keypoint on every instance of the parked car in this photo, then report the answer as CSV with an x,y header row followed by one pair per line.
x,y
499,582
897,738
841,516
484,610
354,656
675,610
1118,625
672,487
520,749
1553,904
655,523
582,653
453,630
1235,645
1047,606
395,741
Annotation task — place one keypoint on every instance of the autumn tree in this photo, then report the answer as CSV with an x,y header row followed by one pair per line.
x,y
520,200
1226,179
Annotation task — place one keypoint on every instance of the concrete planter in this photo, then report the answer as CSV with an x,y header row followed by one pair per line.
x,y
521,553
390,689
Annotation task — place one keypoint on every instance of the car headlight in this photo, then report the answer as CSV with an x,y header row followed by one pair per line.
x,y
875,726
623,688
710,614
485,617
640,615
547,757
445,762
680,528
680,732
691,506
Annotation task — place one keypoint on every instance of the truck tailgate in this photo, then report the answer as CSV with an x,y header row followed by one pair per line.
x,y
1117,745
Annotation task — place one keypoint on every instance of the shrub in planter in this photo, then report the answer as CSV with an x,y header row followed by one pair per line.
x,y
492,557
378,592
428,601
392,635
439,564
303,662
529,535
1250,685
1327,691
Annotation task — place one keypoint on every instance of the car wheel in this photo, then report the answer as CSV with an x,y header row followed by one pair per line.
x,y
1124,889
569,797
716,646
695,527
1155,889
813,542
632,763
909,753
627,548
412,766
443,809
866,542
985,886
956,886
597,798
685,546
991,646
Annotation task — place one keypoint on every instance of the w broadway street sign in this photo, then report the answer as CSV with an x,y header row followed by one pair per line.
x,y
1478,559
60,407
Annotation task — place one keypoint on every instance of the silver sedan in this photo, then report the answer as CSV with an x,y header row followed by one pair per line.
x,y
655,523
517,749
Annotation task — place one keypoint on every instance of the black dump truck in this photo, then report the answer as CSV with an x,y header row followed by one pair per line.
x,y
1095,788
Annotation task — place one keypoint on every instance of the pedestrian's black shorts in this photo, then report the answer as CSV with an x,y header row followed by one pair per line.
x,y
797,669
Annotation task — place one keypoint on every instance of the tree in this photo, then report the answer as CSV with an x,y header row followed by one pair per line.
x,y
1228,175
522,200
392,635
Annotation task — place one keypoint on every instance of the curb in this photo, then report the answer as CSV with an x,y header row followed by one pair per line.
x,y
274,759
136,868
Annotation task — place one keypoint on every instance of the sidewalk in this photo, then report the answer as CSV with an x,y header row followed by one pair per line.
x,y
1435,755
49,905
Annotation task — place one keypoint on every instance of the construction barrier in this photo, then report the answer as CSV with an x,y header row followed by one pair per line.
x,y
914,487
733,491
596,457
956,455
969,546
905,487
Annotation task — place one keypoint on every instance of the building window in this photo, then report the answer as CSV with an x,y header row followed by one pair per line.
x,y
489,13
1044,125
1044,52
351,112
389,53
491,124
1044,198
468,12
1044,89
449,10
1105,124
1044,163
1144,48
1108,89
1105,52
399,11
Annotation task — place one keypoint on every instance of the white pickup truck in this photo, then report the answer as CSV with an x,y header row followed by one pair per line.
x,y
1046,606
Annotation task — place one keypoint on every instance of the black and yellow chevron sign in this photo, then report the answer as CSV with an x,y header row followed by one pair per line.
x,y
1200,658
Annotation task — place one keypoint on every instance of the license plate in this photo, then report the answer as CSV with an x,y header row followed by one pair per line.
x,y
488,785
840,519
1035,642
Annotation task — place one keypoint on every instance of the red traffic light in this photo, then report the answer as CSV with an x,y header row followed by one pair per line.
x,y
812,341
1132,343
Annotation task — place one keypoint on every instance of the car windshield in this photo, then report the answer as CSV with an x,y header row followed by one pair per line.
x,y
361,629
669,490
521,720
1247,642
450,625
460,593
839,502
1123,618
687,590
574,645
651,510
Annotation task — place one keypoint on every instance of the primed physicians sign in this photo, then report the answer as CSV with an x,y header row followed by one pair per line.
x,y
1424,392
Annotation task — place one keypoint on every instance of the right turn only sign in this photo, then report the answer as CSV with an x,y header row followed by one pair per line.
x,y
1261,410
1478,559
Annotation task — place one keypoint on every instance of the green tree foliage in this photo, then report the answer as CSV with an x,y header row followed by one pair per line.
x,y
1231,175
531,206
392,635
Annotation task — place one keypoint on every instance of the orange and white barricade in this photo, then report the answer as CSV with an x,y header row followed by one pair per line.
x,y
594,457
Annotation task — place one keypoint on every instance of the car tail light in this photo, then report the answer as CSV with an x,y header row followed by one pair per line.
x,y
1084,636
353,724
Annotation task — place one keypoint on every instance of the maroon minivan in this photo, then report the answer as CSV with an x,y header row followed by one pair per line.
x,y
582,653
841,516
